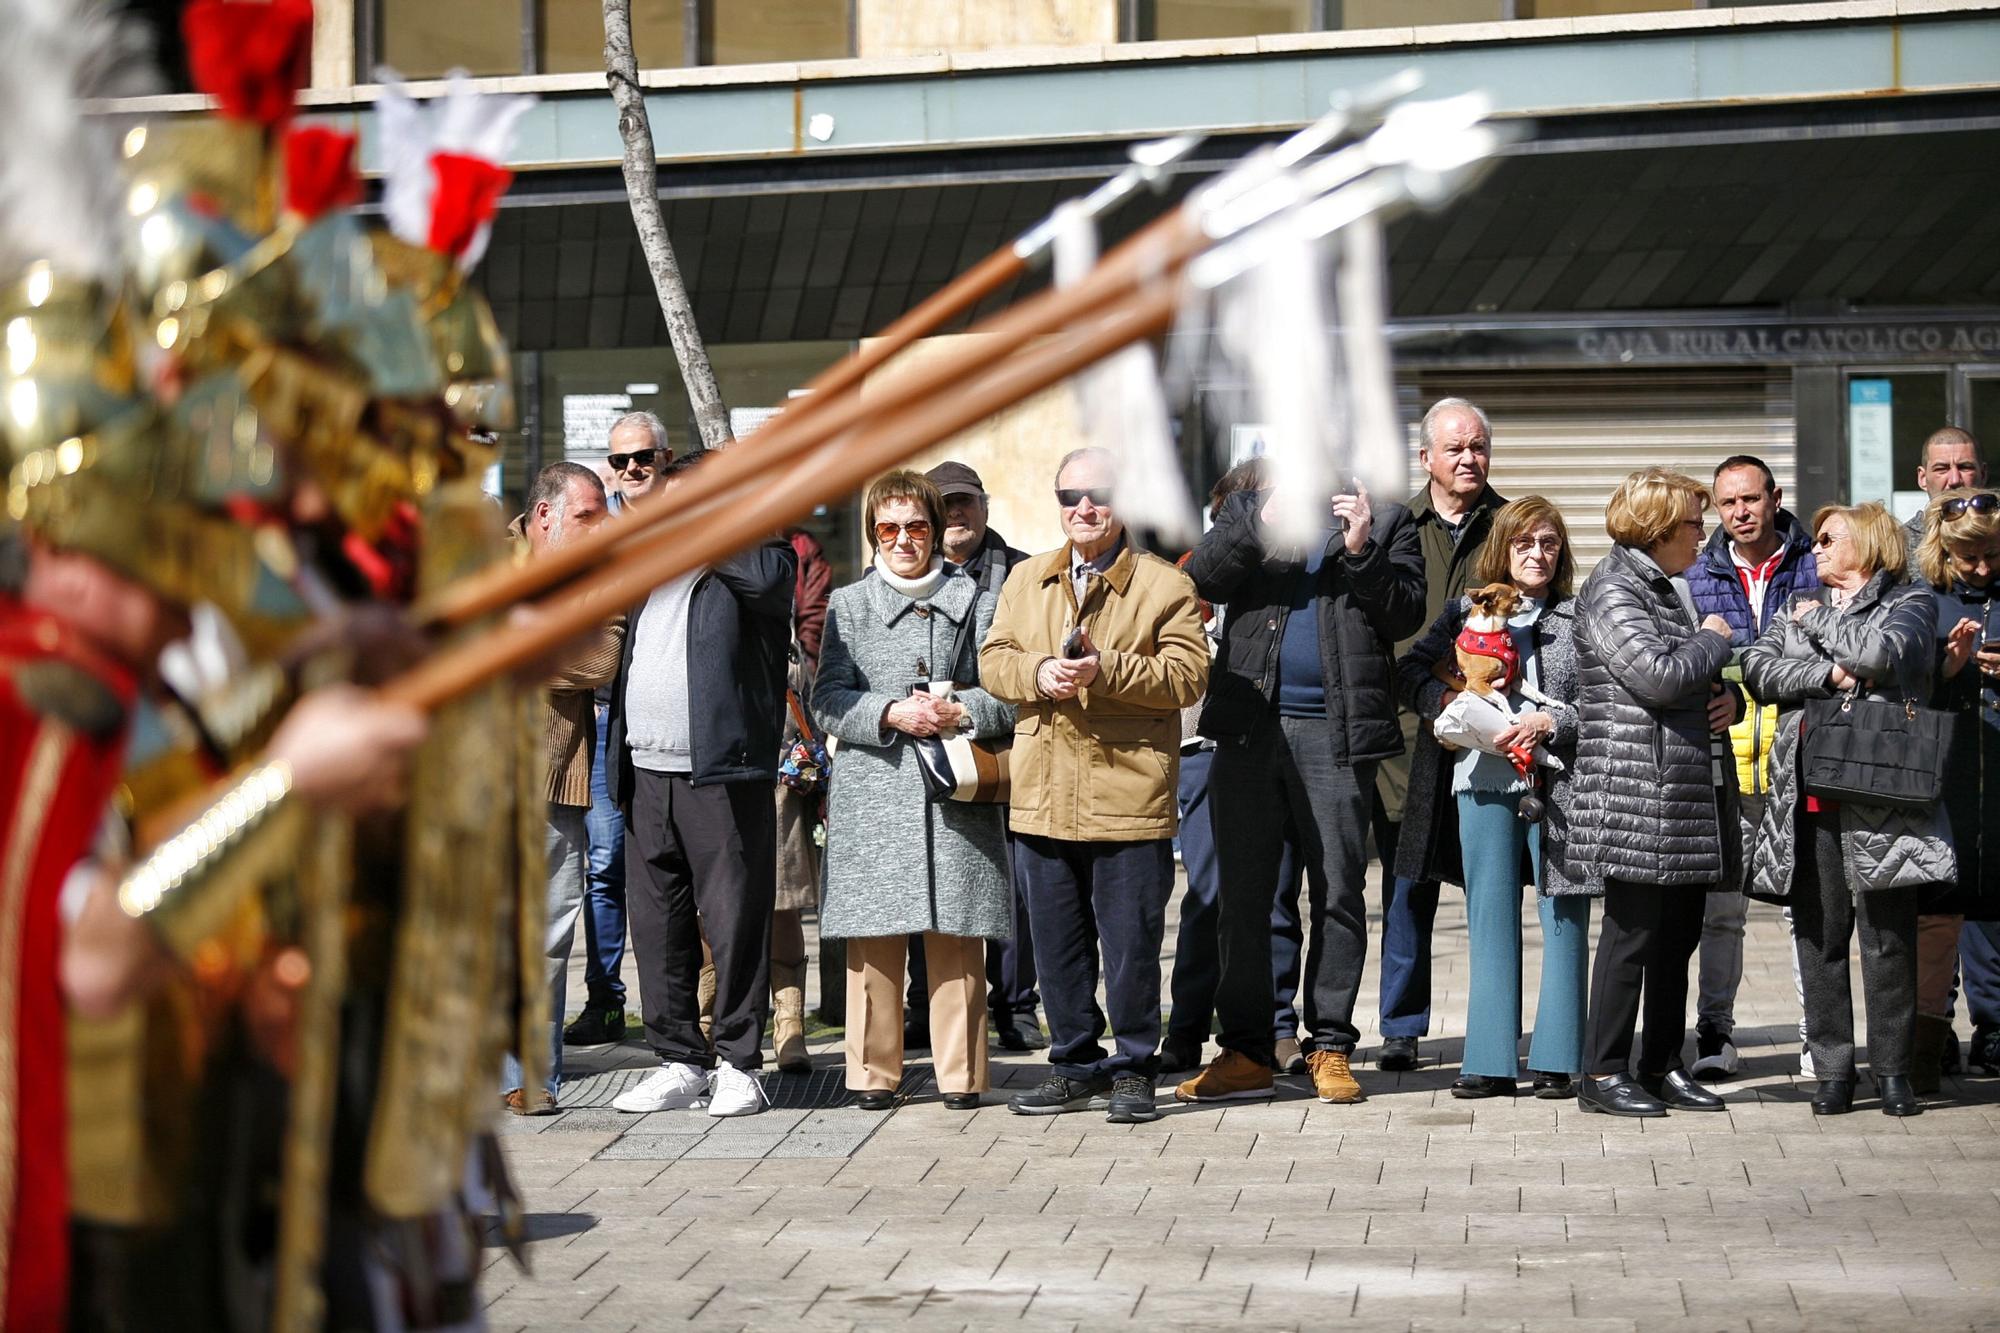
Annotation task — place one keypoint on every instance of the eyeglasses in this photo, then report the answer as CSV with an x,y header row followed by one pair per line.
x,y
887,534
1827,539
643,457
1983,503
1529,546
1069,497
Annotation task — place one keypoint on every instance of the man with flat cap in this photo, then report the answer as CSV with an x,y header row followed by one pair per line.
x,y
1010,964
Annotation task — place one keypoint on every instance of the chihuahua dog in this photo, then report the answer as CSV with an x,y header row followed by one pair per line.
x,y
1486,659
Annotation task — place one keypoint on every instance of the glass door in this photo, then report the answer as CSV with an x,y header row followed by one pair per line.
x,y
1890,412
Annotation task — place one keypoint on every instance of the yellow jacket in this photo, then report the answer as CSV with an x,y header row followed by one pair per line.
x,y
1101,767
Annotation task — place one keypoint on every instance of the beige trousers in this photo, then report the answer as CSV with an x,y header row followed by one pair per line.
x,y
875,967
1937,962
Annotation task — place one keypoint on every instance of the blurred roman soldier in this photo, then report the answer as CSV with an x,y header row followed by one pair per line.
x,y
225,403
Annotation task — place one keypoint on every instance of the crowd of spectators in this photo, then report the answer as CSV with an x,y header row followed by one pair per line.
x,y
1022,746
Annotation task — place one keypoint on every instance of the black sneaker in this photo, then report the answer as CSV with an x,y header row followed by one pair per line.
x,y
1177,1055
1985,1053
1020,1032
596,1027
1715,1055
1131,1101
1057,1094
1398,1054
1951,1060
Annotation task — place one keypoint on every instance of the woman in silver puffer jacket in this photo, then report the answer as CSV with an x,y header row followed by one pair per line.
x,y
1843,866
1646,811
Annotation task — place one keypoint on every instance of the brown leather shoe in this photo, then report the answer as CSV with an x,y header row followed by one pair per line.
x,y
1230,1077
1332,1079
518,1104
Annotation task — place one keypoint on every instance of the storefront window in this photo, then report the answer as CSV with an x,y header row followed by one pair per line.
x,y
573,35
1576,9
1889,415
749,32
1180,20
1983,414
423,41
1418,13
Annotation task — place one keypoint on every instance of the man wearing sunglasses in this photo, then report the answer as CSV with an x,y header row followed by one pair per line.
x,y
691,748
638,454
1099,646
1951,462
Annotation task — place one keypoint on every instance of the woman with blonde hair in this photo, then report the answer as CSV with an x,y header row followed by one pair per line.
x,y
1646,811
1850,867
1959,556
1463,822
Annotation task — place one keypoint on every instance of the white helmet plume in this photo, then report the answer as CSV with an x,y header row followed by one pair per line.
x,y
424,144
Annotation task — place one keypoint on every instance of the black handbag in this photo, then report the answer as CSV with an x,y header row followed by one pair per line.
x,y
1868,752
958,768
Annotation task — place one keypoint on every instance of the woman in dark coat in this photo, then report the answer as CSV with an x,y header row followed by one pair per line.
x,y
1959,557
1462,823
1646,811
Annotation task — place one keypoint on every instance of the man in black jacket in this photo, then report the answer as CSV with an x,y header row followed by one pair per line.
x,y
1302,703
692,751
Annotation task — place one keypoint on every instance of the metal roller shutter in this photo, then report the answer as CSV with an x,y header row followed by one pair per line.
x,y
1574,435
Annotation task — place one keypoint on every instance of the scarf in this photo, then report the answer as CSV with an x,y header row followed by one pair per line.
x,y
919,589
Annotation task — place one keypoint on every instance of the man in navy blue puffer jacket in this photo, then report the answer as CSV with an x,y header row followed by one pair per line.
x,y
1757,562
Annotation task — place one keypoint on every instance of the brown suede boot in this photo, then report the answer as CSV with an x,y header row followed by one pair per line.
x,y
788,1018
1926,1051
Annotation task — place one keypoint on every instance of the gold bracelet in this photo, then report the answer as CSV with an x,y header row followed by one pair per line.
x,y
196,849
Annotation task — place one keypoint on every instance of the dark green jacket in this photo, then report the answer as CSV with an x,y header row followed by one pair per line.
x,y
1447,566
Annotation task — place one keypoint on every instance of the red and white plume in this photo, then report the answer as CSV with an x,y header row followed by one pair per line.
x,y
441,162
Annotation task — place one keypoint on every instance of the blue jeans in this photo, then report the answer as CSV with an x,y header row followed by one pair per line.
x,y
1089,899
1409,907
604,898
1494,840
1979,966
565,841
1197,954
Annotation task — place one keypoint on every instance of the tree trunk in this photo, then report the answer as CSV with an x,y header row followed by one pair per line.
x,y
621,71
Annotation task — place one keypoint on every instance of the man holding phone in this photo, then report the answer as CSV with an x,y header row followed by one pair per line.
x,y
1099,646
1303,708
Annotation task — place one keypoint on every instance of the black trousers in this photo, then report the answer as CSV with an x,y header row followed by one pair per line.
x,y
1285,776
1650,932
709,853
1825,917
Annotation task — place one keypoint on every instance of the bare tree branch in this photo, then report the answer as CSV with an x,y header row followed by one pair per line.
x,y
621,71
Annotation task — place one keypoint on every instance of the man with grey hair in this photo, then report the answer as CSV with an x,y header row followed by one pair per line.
x,y
1099,646
566,501
1452,513
637,453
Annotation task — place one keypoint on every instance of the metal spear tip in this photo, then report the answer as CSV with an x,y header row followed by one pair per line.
x,y
1379,95
1158,154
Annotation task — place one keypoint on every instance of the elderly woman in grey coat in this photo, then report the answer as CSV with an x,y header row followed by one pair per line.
x,y
1647,809
899,663
1848,865
1464,819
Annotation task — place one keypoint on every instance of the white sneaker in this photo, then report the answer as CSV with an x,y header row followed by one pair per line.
x,y
668,1088
735,1092
1805,1062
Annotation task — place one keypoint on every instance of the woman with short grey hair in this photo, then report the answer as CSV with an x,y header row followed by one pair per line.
x,y
899,663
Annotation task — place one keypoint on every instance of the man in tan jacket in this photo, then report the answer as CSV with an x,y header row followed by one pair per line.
x,y
1099,645
567,499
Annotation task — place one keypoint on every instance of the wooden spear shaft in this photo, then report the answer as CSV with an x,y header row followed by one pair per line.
x,y
758,510
1155,253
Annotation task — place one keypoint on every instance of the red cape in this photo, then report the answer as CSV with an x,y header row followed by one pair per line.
x,y
55,783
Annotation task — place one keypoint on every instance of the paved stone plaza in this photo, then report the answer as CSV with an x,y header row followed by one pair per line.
x,y
1410,1211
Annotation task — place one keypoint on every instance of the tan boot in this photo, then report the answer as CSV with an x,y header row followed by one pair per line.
x,y
704,995
788,1018
1926,1050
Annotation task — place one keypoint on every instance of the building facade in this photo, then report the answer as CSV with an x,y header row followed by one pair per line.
x,y
1731,229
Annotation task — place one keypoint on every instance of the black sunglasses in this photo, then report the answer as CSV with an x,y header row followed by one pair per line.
x,y
1069,497
643,457
1983,503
